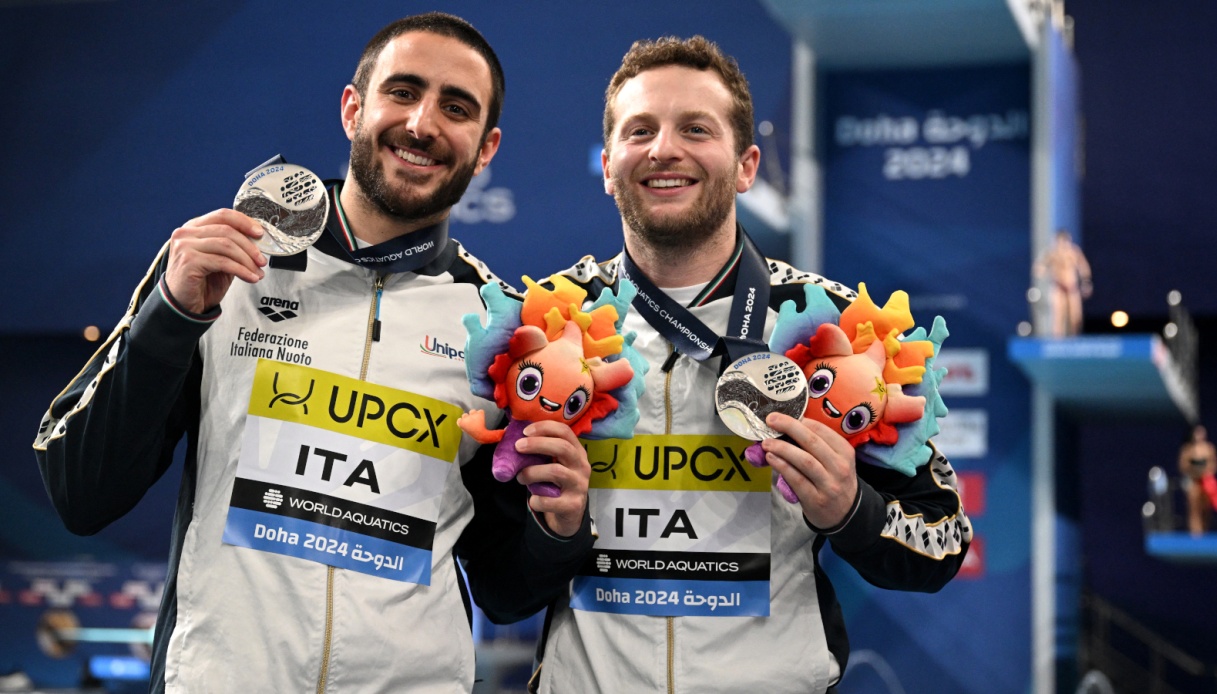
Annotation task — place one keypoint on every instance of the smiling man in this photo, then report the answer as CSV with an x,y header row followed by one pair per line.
x,y
704,578
327,493
419,131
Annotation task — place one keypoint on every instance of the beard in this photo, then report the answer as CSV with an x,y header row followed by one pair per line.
x,y
680,233
403,200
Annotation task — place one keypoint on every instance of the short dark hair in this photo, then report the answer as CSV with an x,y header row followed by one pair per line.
x,y
698,53
444,25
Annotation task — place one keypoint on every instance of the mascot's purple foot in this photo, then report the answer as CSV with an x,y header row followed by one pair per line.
x,y
545,489
508,462
756,455
786,492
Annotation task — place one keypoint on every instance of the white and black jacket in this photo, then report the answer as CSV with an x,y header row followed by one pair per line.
x,y
235,619
802,645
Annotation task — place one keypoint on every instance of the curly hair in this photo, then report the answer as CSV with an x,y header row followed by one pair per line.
x,y
698,53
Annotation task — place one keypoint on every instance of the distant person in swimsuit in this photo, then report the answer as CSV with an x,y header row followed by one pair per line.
x,y
1070,274
1197,461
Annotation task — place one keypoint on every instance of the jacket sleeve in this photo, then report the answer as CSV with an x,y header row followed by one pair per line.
x,y
515,565
109,436
906,533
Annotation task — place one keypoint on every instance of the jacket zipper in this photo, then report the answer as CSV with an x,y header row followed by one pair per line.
x,y
372,335
667,430
329,628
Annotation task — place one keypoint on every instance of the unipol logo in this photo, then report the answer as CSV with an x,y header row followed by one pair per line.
x,y
432,345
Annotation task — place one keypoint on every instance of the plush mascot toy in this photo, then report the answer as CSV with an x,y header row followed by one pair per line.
x,y
865,380
545,358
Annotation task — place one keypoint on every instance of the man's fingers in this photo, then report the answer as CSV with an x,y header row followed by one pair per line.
x,y
564,512
551,429
553,473
568,476
569,471
243,223
556,440
798,449
830,438
819,441
791,461
207,252
216,234
816,462
213,254
795,479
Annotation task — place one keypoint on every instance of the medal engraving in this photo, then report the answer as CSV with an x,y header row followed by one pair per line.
x,y
289,202
755,385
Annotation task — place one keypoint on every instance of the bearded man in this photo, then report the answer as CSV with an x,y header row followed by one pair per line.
x,y
327,494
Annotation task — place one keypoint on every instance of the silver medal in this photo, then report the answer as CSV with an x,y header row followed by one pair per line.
x,y
755,385
291,204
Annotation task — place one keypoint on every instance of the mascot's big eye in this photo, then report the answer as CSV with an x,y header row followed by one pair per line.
x,y
528,383
857,419
820,381
575,404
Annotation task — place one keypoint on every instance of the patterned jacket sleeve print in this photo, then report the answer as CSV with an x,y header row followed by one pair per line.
x,y
909,533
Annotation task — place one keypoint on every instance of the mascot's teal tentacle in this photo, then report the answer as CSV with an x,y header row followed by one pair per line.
x,y
483,344
794,327
626,291
620,423
911,450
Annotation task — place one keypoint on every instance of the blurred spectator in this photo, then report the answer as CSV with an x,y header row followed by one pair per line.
x,y
1197,464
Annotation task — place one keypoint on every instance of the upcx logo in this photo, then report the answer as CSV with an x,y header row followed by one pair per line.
x,y
278,309
290,398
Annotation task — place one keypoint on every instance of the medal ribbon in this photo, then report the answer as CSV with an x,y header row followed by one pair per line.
x,y
405,253
691,337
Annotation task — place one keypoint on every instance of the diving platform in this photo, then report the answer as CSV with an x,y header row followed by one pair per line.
x,y
1097,377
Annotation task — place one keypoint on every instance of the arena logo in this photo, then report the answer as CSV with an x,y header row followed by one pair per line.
x,y
481,203
278,309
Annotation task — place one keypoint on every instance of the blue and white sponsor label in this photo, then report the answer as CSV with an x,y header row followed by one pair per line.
x,y
671,597
684,527
342,472
321,543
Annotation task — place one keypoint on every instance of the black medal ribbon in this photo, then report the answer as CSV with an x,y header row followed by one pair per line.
x,y
277,159
690,336
405,253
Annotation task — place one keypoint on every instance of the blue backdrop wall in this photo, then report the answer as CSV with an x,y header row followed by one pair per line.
x,y
927,189
125,119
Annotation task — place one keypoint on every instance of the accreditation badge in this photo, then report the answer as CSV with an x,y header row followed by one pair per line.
x,y
289,202
753,386
684,525
342,472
